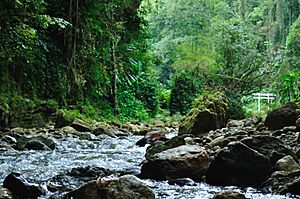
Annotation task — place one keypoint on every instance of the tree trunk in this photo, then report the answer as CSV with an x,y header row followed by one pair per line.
x,y
114,70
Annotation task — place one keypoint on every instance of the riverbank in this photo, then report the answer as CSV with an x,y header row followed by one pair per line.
x,y
259,156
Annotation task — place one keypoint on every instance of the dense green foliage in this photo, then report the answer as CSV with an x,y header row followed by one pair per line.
x,y
134,59
239,46
91,54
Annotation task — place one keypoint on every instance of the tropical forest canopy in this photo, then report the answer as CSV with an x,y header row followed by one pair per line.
x,y
141,59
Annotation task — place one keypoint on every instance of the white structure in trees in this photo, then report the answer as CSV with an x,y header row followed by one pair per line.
x,y
263,96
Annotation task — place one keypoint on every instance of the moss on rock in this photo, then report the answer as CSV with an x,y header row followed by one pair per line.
x,y
209,112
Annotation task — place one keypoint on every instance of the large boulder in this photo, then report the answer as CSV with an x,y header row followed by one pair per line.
x,y
125,187
186,161
281,117
19,186
248,162
269,146
208,114
237,164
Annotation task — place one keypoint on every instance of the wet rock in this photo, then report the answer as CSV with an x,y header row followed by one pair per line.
x,y
278,132
283,182
81,126
35,145
287,164
291,187
182,182
87,136
152,137
289,129
115,130
74,178
238,164
229,195
172,143
281,117
9,139
104,129
209,115
125,187
21,188
269,146
20,131
36,142
5,146
186,161
5,194
219,141
298,124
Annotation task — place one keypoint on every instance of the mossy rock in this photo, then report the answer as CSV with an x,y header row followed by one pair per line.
x,y
209,113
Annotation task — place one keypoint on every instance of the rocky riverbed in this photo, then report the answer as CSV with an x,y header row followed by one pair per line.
x,y
247,156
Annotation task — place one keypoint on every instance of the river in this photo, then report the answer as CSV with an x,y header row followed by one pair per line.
x,y
116,154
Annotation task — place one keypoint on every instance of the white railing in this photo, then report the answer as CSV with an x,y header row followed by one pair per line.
x,y
263,96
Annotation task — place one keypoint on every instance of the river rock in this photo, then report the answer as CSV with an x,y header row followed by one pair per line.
x,y
36,145
20,187
5,194
291,187
228,194
283,182
104,128
75,177
152,137
182,182
81,126
281,117
186,161
269,146
9,139
219,141
248,162
288,129
238,164
4,146
287,164
38,142
172,143
235,123
210,114
69,130
125,187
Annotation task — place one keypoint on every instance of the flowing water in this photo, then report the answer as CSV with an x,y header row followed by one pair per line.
x,y
116,154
